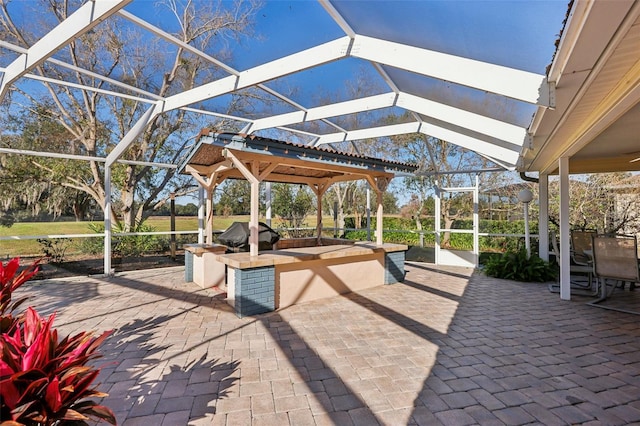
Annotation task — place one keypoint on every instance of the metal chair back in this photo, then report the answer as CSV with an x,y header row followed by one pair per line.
x,y
581,241
616,257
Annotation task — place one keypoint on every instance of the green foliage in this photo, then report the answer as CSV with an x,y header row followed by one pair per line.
x,y
43,380
55,249
235,197
516,265
292,204
6,220
125,245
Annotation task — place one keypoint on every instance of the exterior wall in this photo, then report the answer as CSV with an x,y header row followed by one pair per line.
x,y
318,279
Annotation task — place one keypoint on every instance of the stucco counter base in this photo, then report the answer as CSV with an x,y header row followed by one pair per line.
x,y
280,278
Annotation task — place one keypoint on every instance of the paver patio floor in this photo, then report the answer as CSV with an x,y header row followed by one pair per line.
x,y
449,346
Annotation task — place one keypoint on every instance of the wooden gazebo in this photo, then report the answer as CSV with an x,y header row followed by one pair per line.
x,y
219,156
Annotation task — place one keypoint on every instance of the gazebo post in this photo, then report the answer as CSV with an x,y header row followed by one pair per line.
x,y
201,215
254,232
209,224
379,240
379,184
253,176
319,216
208,185
319,189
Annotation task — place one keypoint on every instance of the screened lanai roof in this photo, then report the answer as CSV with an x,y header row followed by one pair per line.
x,y
471,73
325,72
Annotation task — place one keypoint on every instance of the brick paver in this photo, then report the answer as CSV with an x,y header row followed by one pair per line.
x,y
448,346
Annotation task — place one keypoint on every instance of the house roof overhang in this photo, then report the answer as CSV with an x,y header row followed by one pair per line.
x,y
596,70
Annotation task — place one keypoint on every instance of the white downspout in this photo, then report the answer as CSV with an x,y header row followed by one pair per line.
x,y
543,217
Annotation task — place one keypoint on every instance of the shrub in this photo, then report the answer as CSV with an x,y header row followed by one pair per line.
x,y
43,380
55,249
516,265
126,245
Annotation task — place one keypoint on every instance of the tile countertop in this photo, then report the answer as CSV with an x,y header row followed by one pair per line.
x,y
292,255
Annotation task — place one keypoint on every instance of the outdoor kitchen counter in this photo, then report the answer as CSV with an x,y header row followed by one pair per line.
x,y
276,279
292,255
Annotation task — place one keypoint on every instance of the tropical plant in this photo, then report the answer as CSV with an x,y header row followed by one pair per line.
x,y
519,266
125,245
43,380
9,282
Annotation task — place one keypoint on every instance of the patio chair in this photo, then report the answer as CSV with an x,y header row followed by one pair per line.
x,y
577,287
615,258
581,241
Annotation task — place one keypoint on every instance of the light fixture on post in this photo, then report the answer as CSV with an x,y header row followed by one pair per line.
x,y
525,196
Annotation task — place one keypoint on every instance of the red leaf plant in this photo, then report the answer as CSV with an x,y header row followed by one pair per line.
x,y
43,380
9,282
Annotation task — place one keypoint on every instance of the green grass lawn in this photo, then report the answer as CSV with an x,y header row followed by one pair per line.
x,y
31,247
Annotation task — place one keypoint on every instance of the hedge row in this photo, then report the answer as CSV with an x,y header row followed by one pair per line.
x,y
457,241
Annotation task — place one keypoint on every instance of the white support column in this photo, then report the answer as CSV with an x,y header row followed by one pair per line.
x,y
436,196
476,222
543,217
107,220
111,158
565,272
201,213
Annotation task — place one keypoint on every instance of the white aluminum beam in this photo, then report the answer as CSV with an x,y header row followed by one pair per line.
x,y
502,154
465,119
90,88
82,20
187,47
473,144
79,70
373,132
502,164
341,108
521,85
131,135
337,17
296,62
83,157
174,40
